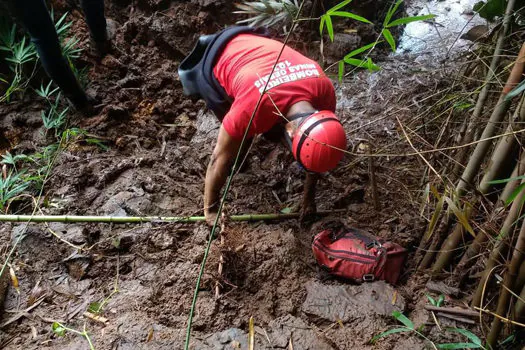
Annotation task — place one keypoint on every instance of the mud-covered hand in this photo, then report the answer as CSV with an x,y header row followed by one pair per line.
x,y
210,215
308,205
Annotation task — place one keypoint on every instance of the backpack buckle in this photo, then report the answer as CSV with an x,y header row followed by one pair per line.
x,y
368,278
373,244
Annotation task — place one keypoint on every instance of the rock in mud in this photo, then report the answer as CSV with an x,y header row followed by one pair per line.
x,y
348,302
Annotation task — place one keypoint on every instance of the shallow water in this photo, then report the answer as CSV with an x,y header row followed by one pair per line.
x,y
453,17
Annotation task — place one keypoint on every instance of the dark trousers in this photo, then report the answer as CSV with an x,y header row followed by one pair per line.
x,y
36,19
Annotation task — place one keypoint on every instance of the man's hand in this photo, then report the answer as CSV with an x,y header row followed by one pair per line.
x,y
211,215
308,206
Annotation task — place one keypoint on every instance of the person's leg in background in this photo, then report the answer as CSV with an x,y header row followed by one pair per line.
x,y
36,19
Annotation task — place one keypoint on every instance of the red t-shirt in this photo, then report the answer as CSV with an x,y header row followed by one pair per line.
x,y
243,69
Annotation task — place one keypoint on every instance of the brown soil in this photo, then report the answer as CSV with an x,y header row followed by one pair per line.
x,y
159,147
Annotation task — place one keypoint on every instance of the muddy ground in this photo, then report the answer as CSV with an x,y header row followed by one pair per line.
x,y
159,144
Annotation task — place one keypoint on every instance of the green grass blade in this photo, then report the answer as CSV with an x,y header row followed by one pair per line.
x,y
403,319
359,50
471,336
391,12
329,28
340,71
431,300
338,6
391,331
389,38
502,181
350,15
321,24
406,20
515,193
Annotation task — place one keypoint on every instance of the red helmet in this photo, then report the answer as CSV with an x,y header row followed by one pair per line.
x,y
319,142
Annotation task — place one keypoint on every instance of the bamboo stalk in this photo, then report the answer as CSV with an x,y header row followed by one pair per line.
x,y
475,247
519,309
500,246
468,132
509,278
501,154
520,281
157,219
474,164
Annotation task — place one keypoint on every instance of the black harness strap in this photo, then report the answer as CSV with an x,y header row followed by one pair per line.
x,y
299,115
305,135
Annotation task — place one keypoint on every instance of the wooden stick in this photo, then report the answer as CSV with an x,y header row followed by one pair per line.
x,y
221,259
452,310
456,318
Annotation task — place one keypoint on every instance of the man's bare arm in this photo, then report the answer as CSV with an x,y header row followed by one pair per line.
x,y
219,167
308,206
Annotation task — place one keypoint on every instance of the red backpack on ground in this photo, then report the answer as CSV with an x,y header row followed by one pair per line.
x,y
357,255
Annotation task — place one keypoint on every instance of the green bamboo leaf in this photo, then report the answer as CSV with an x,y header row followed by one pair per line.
x,y
330,28
515,193
460,216
458,346
471,336
355,62
286,210
403,319
350,15
431,300
391,331
338,6
406,20
321,25
361,49
391,12
516,91
341,71
372,67
502,181
389,38
440,300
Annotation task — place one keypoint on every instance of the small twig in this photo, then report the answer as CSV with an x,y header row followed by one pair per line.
x,y
456,318
506,320
452,310
435,320
23,313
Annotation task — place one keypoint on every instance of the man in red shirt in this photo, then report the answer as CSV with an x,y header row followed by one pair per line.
x,y
230,71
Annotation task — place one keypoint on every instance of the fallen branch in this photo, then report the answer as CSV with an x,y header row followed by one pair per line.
x,y
452,310
456,318
156,219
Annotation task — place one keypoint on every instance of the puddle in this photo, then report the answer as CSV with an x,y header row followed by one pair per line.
x,y
453,17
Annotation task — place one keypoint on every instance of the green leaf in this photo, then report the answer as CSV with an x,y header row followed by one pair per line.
x,y
391,331
515,193
403,319
391,12
286,210
338,6
460,216
372,67
406,20
389,38
458,346
471,336
330,28
431,300
94,307
355,62
502,181
350,15
516,91
440,300
321,25
58,329
359,50
340,71
490,9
